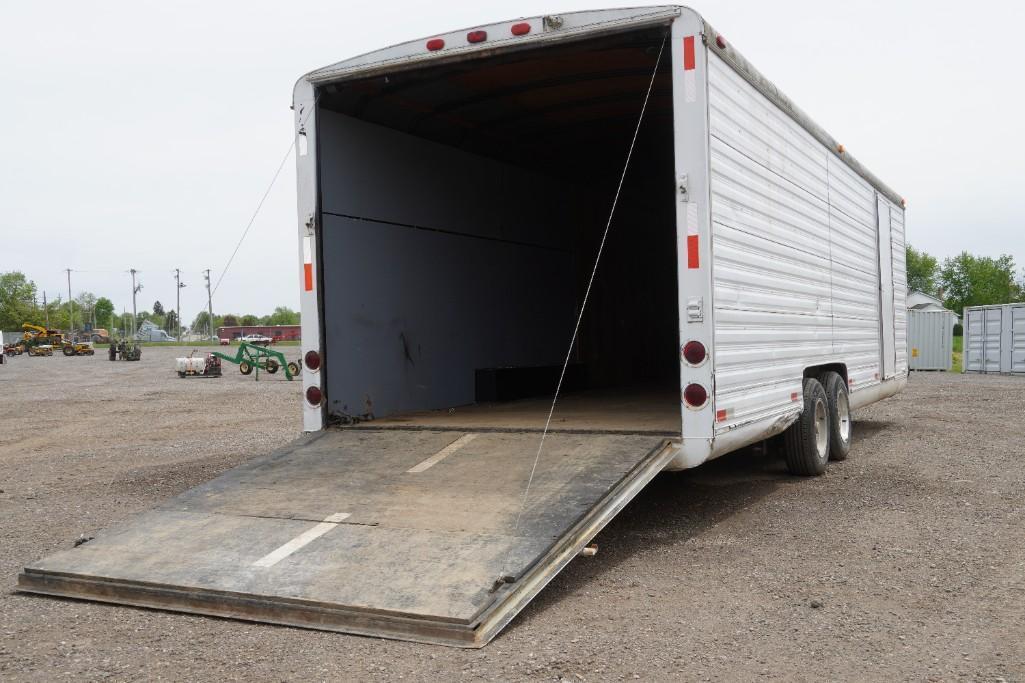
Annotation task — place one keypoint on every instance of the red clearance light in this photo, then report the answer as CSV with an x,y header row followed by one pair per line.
x,y
721,42
520,29
435,44
695,395
312,359
694,352
476,36
314,396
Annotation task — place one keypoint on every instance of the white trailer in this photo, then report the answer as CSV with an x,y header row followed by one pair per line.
x,y
454,195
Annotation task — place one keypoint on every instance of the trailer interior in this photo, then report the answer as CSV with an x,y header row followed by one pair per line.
x,y
462,209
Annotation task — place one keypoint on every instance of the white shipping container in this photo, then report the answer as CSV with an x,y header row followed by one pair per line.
x,y
931,339
995,339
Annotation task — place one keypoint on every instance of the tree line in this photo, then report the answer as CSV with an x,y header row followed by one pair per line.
x,y
965,280
21,302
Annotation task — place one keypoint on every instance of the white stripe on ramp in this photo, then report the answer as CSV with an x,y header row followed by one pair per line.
x,y
272,558
442,454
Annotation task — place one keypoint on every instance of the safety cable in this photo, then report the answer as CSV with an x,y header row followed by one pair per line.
x,y
587,292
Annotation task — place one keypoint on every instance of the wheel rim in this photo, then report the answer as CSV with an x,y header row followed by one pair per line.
x,y
843,414
821,428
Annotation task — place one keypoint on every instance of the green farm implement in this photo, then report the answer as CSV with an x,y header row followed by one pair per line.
x,y
251,356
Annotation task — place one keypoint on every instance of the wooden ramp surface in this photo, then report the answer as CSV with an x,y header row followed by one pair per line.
x,y
387,532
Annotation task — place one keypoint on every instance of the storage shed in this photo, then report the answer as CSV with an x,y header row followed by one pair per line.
x,y
995,339
930,339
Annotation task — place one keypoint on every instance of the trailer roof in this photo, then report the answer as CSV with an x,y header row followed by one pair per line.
x,y
586,24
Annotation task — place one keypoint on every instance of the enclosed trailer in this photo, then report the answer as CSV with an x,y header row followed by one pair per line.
x,y
994,339
931,339
615,203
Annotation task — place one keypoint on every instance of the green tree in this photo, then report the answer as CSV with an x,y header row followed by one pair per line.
x,y
969,280
199,324
102,310
922,270
17,301
84,304
230,320
158,308
171,321
249,320
282,315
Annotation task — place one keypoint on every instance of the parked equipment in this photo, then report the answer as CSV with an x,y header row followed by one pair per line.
x,y
124,350
752,284
250,357
78,349
994,339
206,365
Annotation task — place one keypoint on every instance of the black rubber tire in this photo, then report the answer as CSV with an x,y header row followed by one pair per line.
x,y
802,454
272,366
181,374
836,387
245,368
69,351
293,369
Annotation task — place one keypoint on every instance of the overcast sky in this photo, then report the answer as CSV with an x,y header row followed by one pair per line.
x,y
143,134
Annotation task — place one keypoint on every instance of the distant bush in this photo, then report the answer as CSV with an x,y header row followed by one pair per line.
x,y
958,330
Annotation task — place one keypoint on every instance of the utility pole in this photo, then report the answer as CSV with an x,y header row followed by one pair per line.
x,y
135,290
46,310
209,304
71,304
178,303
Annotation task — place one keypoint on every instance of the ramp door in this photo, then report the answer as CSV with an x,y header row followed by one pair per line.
x,y
395,532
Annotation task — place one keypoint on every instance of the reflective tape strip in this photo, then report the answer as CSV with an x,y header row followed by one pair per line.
x,y
693,259
308,263
690,85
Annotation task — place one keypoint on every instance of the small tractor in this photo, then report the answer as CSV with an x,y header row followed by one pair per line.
x,y
208,365
250,357
78,349
124,350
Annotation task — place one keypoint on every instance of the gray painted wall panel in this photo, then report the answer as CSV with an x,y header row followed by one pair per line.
x,y
930,339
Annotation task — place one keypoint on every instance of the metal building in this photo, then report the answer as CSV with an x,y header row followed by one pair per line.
x,y
930,339
995,339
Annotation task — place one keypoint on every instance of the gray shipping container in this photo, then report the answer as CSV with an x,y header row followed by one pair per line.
x,y
930,339
995,339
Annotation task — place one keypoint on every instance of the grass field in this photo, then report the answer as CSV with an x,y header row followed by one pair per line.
x,y
958,352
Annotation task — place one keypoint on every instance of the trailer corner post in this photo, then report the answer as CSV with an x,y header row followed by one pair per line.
x,y
693,230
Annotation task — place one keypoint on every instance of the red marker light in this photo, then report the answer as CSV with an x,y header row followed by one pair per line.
x,y
476,36
694,352
695,395
312,360
313,396
520,29
435,44
720,42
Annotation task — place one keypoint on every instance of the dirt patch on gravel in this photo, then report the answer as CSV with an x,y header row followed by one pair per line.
x,y
905,562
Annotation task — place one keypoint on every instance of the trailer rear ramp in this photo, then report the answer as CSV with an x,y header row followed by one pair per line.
x,y
398,532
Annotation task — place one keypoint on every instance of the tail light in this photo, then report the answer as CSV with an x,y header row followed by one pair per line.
x,y
476,36
313,396
695,395
694,352
520,29
435,44
312,360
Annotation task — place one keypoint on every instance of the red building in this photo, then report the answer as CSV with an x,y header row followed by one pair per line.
x,y
275,332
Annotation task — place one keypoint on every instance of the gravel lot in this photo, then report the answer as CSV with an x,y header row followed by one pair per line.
x,y
905,562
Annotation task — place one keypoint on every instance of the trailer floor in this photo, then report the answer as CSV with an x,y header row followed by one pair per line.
x,y
419,535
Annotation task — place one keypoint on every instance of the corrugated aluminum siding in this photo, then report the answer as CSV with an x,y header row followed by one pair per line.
x,y
995,339
795,257
930,339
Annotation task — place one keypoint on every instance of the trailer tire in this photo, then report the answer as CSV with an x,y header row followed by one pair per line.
x,y
272,366
807,440
841,423
245,368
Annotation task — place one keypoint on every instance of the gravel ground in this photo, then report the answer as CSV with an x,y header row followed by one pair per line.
x,y
905,562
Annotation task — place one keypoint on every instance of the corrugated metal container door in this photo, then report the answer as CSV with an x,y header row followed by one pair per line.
x,y
930,339
995,339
